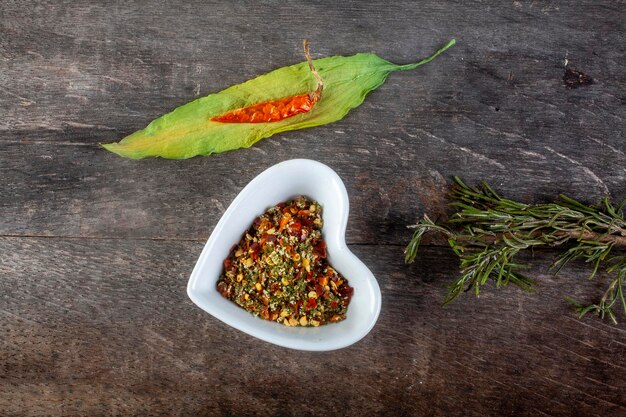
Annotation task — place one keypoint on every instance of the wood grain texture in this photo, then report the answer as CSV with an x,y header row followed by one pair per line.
x,y
108,330
95,250
493,107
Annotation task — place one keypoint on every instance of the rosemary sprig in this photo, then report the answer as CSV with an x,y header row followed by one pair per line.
x,y
487,231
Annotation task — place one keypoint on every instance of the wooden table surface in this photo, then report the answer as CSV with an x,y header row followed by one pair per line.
x,y
96,250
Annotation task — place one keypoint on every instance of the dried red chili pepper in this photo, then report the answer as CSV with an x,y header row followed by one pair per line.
x,y
279,109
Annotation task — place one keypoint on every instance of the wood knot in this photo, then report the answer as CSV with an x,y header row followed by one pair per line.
x,y
575,79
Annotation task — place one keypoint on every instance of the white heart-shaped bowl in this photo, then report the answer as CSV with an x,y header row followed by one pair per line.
x,y
280,183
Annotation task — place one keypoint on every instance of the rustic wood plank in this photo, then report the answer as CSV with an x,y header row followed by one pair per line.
x,y
84,192
104,327
97,68
492,108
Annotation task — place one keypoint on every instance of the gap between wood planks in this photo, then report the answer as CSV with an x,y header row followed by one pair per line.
x,y
164,239
202,240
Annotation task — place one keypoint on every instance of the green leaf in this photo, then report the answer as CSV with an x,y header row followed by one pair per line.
x,y
188,131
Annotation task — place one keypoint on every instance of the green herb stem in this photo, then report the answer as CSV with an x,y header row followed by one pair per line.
x,y
407,67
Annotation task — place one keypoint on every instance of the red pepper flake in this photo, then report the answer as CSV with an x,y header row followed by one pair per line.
x,y
346,291
254,250
228,265
222,288
311,303
296,225
319,289
320,249
283,222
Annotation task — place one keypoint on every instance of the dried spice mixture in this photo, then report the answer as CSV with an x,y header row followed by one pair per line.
x,y
279,270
